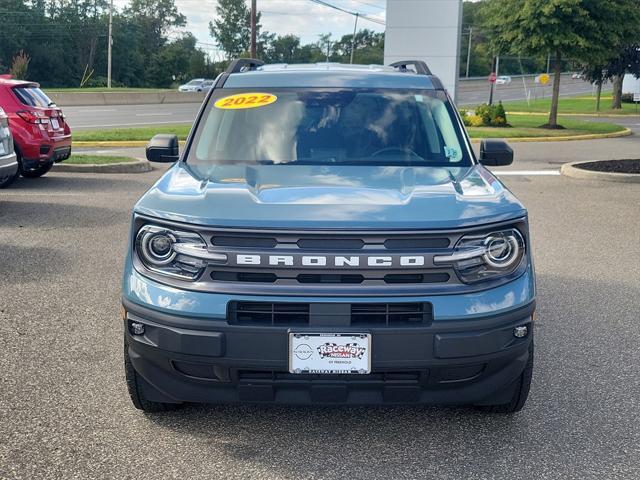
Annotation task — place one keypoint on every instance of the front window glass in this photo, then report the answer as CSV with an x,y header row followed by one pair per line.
x,y
33,97
330,127
195,82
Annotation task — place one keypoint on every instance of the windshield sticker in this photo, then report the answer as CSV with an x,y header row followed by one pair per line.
x,y
245,100
450,152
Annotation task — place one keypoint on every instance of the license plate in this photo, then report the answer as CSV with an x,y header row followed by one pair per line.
x,y
330,353
55,124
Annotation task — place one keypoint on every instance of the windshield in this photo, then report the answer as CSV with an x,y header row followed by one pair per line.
x,y
330,126
33,97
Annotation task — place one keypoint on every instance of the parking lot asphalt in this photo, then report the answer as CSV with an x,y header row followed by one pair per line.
x,y
65,412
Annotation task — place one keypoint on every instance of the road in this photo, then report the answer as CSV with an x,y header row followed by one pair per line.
x,y
65,411
471,93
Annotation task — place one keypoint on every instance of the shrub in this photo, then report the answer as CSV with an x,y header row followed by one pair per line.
x,y
20,65
101,82
489,116
476,121
464,114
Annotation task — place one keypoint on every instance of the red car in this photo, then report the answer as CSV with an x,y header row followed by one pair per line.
x,y
40,132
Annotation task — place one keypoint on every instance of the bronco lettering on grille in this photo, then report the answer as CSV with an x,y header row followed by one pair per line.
x,y
408,261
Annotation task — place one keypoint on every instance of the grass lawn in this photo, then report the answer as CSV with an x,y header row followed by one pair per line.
x,y
96,159
130,134
523,126
567,105
528,126
104,89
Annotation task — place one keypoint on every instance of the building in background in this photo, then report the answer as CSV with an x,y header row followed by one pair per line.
x,y
426,30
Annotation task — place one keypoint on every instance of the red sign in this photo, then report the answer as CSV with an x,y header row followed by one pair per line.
x,y
493,77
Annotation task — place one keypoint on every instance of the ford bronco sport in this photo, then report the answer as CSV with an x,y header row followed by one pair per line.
x,y
328,236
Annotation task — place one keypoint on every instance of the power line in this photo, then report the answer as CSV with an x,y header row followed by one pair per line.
x,y
355,14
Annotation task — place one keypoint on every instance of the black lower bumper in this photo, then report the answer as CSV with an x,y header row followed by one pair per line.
x,y
209,361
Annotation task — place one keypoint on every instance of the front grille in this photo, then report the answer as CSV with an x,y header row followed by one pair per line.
x,y
302,314
330,263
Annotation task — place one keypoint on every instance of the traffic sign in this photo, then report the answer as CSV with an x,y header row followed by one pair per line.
x,y
636,97
543,79
493,77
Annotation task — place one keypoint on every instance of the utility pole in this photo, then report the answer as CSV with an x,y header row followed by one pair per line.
x,y
254,53
548,62
469,50
110,41
493,70
353,40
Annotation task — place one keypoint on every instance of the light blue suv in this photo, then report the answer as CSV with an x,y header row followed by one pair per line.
x,y
328,236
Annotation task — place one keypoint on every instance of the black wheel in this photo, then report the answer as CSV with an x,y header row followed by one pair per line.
x,y
8,179
34,172
134,385
520,394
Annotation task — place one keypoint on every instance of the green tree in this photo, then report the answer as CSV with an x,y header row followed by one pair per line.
x,y
20,65
577,29
232,28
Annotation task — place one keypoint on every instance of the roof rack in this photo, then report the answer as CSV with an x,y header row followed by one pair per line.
x,y
243,65
238,65
420,66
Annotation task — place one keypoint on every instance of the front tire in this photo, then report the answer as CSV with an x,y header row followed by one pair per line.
x,y
136,392
520,394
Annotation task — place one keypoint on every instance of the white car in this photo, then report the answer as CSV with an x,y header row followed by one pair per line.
x,y
503,80
577,76
196,85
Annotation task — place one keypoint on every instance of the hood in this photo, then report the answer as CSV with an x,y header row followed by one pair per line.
x,y
330,197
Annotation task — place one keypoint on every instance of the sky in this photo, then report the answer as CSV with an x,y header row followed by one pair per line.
x,y
299,17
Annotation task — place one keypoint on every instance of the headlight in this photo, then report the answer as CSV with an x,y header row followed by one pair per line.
x,y
481,257
174,253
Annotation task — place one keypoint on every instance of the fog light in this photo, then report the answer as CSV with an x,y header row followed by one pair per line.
x,y
136,328
520,332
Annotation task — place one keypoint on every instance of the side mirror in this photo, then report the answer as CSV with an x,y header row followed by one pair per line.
x,y
495,153
163,148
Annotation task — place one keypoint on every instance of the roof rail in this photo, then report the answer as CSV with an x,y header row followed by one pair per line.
x,y
243,64
420,66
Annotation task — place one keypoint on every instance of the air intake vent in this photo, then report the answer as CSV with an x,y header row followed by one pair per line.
x,y
391,314
299,314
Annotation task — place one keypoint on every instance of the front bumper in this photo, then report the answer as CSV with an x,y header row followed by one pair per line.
x,y
187,359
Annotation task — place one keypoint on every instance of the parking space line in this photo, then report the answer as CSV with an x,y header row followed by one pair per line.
x,y
41,194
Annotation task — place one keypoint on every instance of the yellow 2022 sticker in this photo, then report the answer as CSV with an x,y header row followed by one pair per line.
x,y
245,100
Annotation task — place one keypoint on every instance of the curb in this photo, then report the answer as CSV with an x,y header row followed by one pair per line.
x,y
569,170
139,166
591,136
595,115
